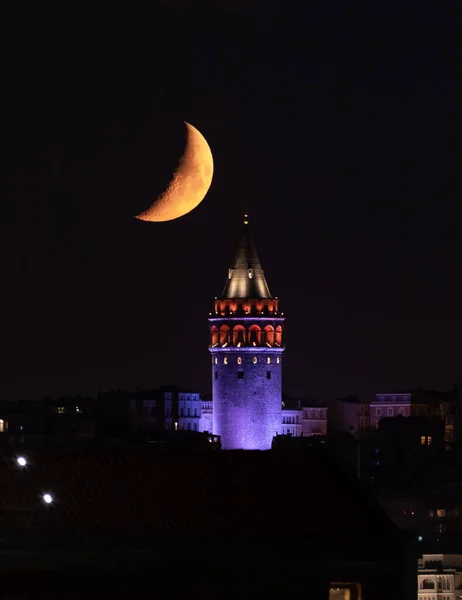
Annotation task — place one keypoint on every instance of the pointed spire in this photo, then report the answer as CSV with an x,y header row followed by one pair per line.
x,y
246,278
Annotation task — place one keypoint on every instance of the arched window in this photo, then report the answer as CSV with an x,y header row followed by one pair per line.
x,y
269,335
224,334
278,335
214,335
255,335
427,584
238,335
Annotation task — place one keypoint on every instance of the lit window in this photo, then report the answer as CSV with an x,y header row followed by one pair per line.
x,y
429,440
225,360
175,426
277,360
2,425
254,360
216,360
239,360
268,360
344,591
61,409
441,512
422,440
431,514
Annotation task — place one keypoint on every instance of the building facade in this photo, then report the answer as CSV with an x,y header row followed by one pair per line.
x,y
168,407
303,417
439,577
406,404
246,349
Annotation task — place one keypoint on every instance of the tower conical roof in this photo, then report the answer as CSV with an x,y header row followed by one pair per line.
x,y
246,278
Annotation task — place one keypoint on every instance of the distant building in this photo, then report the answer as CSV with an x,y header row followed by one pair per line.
x,y
404,439
410,403
439,577
206,420
167,407
348,414
62,420
314,418
303,416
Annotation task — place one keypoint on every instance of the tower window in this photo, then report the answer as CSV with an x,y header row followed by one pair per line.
x,y
254,360
216,360
240,374
278,360
239,360
268,360
225,360
216,374
268,374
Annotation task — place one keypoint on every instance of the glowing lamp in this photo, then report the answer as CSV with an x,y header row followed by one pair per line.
x,y
22,462
47,498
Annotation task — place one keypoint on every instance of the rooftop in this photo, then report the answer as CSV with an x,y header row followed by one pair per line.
x,y
246,278
137,490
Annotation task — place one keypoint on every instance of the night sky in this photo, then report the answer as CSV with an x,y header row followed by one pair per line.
x,y
339,131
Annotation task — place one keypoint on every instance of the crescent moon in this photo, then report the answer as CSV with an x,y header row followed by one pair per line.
x,y
190,183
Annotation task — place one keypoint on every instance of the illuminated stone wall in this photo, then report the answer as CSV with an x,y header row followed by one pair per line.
x,y
247,407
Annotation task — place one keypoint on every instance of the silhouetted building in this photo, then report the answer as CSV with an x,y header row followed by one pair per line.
x,y
404,440
134,514
348,414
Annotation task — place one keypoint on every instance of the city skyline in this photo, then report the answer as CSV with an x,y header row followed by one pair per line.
x,y
348,173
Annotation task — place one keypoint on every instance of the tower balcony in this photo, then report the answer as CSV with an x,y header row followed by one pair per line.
x,y
246,348
246,308
246,335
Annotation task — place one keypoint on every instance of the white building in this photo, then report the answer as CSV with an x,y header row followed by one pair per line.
x,y
206,420
303,417
439,577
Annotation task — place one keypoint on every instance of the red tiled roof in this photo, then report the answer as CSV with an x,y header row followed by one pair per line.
x,y
137,489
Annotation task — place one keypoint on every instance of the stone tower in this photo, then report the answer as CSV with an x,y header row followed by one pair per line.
x,y
246,347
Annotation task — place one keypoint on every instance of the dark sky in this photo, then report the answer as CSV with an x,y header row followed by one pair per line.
x,y
340,131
